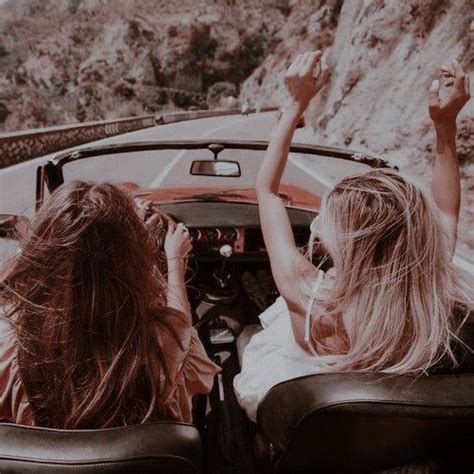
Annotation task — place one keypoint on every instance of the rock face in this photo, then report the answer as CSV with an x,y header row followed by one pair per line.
x,y
64,61
384,56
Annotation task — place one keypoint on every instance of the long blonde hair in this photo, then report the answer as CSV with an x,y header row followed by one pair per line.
x,y
395,281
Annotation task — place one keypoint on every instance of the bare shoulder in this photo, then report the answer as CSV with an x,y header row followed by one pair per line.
x,y
308,281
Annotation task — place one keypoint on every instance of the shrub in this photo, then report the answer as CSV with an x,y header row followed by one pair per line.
x,y
221,89
185,99
123,89
201,45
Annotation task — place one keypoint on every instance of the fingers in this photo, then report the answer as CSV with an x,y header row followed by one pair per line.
x,y
143,204
168,219
324,75
182,233
434,94
185,238
153,220
447,71
300,80
447,109
310,61
457,68
177,229
303,59
182,229
456,71
459,76
304,63
295,64
171,228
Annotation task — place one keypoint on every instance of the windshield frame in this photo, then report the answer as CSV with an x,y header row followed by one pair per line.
x,y
51,175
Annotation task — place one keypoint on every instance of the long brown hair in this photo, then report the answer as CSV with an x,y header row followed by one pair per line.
x,y
87,304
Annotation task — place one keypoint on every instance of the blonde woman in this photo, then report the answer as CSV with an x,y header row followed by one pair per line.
x,y
395,303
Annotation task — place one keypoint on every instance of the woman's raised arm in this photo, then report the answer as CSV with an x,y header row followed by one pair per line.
x,y
446,182
285,258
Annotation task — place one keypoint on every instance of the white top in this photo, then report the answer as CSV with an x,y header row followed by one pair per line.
x,y
273,356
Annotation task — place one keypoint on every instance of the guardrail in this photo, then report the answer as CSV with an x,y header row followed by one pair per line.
x,y
16,147
20,146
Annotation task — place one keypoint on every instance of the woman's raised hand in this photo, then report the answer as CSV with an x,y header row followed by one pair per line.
x,y
446,179
444,111
177,242
300,80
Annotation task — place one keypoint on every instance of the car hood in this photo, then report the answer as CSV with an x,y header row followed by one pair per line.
x,y
293,196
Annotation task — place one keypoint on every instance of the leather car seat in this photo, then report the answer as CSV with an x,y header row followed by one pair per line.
x,y
171,448
367,422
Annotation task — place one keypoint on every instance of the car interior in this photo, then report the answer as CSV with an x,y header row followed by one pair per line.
x,y
320,423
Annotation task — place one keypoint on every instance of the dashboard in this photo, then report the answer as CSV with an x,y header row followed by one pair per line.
x,y
213,224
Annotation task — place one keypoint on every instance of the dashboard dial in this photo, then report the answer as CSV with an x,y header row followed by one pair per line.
x,y
230,235
212,234
216,236
195,234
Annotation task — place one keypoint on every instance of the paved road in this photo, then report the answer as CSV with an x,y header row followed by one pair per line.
x,y
171,168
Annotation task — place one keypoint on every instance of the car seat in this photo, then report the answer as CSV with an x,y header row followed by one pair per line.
x,y
368,422
171,448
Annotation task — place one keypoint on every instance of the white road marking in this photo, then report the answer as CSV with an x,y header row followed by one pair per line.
x,y
156,183
317,177
167,169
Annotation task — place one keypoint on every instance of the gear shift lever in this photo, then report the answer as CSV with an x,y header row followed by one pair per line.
x,y
221,276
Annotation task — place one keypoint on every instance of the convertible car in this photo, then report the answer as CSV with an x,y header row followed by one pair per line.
x,y
320,423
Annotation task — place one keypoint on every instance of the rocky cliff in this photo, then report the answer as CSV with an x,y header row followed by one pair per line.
x,y
64,61
384,55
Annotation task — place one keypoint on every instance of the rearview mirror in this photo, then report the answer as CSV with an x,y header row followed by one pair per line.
x,y
229,169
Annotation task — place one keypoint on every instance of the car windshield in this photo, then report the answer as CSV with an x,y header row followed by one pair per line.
x,y
306,174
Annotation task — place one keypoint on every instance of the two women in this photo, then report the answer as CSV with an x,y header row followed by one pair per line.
x,y
395,303
93,336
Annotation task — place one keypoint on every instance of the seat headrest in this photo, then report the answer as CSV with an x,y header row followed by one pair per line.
x,y
158,448
367,421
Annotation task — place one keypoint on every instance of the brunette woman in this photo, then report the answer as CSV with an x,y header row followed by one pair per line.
x,y
92,335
